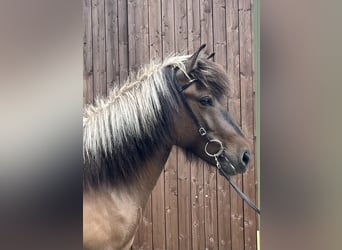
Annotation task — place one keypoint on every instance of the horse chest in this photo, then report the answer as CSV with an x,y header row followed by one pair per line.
x,y
109,222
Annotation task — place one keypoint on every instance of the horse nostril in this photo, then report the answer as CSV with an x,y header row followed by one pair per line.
x,y
245,157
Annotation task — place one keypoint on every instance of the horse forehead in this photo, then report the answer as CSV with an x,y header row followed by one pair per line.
x,y
199,88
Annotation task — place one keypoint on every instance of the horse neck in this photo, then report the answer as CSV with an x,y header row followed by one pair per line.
x,y
139,187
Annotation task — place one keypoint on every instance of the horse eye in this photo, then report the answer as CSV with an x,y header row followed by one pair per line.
x,y
206,101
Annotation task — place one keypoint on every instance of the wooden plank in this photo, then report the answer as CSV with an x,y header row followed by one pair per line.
x,y
206,21
233,58
236,202
246,71
181,26
99,48
196,171
123,39
210,173
194,26
250,217
158,215
112,40
88,93
244,4
184,203
138,35
210,207
168,34
132,33
158,206
233,69
171,192
219,31
171,208
155,30
223,189
247,115
197,201
138,57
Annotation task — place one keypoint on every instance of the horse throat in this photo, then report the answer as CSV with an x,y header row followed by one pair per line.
x,y
142,184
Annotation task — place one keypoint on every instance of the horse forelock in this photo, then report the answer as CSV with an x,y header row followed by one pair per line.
x,y
212,76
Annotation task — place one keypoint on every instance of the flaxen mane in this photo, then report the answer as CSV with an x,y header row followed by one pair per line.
x,y
121,131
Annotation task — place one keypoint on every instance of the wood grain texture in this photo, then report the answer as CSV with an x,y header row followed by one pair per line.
x,y
171,168
223,189
248,124
197,169
99,48
112,40
183,180
139,55
171,201
210,173
88,83
234,106
123,39
158,205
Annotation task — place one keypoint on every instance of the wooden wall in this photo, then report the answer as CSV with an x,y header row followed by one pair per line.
x,y
192,207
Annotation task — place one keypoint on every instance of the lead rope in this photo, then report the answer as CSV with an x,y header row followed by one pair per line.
x,y
203,133
218,166
242,195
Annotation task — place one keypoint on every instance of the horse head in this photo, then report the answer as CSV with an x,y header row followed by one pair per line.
x,y
204,127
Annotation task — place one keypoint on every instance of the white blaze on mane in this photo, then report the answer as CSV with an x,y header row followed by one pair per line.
x,y
129,111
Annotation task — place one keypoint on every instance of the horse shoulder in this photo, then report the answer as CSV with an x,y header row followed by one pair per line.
x,y
109,222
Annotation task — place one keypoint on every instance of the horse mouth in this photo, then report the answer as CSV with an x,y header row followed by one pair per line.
x,y
229,167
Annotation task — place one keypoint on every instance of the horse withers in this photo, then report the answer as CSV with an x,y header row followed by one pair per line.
x,y
128,137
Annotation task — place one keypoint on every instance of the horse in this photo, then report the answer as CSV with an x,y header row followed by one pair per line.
x,y
128,136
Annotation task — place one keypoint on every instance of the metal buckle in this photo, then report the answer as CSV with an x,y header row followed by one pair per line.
x,y
202,131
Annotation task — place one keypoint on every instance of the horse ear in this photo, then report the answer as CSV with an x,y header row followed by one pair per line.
x,y
211,55
192,61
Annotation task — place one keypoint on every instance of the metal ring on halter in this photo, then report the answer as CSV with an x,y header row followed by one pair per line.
x,y
219,152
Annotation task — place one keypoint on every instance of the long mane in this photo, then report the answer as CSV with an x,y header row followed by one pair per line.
x,y
124,129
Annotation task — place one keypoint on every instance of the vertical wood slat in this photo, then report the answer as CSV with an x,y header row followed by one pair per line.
x,y
210,174
112,40
196,170
181,26
123,40
234,105
247,114
99,48
88,92
171,189
223,189
138,35
138,56
121,36
171,209
183,180
194,25
158,206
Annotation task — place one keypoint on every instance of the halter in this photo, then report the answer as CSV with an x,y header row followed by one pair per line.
x,y
203,133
